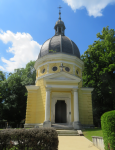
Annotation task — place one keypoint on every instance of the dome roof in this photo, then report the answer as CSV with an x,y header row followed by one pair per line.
x,y
59,44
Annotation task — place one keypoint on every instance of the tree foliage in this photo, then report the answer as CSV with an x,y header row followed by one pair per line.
x,y
14,94
99,72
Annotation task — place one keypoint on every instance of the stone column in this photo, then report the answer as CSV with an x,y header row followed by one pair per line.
x,y
47,122
76,123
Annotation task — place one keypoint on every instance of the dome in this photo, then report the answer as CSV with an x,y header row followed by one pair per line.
x,y
59,44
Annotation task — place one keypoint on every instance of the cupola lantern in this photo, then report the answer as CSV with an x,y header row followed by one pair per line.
x,y
59,26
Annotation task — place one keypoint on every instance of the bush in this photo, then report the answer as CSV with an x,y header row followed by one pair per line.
x,y
108,129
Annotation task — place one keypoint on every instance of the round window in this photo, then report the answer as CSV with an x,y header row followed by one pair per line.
x,y
67,69
43,70
54,68
77,71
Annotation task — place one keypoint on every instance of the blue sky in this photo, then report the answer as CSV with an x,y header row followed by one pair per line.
x,y
26,24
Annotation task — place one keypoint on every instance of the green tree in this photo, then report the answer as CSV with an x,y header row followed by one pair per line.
x,y
14,100
2,76
99,72
14,94
28,74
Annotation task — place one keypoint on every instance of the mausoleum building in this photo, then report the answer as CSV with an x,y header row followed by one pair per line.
x,y
58,95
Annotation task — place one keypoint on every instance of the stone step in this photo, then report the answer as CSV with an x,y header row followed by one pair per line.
x,y
67,132
62,126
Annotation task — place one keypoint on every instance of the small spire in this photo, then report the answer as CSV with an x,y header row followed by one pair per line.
x,y
59,12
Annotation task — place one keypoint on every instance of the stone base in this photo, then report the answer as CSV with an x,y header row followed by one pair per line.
x,y
46,124
77,125
32,125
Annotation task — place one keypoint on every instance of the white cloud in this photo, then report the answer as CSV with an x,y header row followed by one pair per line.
x,y
94,7
24,49
2,68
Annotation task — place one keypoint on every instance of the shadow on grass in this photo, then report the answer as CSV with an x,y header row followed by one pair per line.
x,y
95,129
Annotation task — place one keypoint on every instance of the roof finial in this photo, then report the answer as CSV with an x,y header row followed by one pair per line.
x,y
59,12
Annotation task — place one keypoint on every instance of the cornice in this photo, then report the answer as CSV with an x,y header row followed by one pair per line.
x,y
32,87
48,88
61,86
75,89
87,89
65,81
57,56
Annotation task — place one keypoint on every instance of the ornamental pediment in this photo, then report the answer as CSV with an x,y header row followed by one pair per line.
x,y
62,76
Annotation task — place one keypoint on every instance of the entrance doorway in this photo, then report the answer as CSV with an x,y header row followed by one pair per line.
x,y
60,111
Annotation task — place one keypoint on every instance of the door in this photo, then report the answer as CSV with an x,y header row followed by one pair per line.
x,y
60,111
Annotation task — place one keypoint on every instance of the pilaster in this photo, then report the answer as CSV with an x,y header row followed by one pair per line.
x,y
31,103
74,69
47,68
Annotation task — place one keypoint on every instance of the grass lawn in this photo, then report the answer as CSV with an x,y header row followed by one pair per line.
x,y
88,133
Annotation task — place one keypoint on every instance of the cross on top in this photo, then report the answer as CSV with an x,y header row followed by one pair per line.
x,y
62,66
59,12
59,7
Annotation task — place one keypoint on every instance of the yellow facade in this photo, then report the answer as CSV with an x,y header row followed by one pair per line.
x,y
36,100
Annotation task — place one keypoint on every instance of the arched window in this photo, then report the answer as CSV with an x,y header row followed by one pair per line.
x,y
59,30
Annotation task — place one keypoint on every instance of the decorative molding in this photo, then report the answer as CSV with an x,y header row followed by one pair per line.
x,y
32,87
75,89
56,80
32,91
61,95
86,93
62,86
48,89
87,89
58,56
